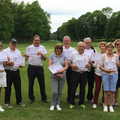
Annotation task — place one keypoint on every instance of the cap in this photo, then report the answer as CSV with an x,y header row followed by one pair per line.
x,y
13,40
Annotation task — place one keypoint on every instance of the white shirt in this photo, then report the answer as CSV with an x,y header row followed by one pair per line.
x,y
76,56
37,59
11,55
89,51
1,66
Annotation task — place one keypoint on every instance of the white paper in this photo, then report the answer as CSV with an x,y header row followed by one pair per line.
x,y
3,56
67,54
55,67
19,61
96,57
31,51
81,64
110,65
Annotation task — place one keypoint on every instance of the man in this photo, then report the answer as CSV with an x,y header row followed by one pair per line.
x,y
13,74
91,74
79,74
68,49
35,69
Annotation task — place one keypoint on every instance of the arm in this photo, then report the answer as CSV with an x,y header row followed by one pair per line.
x,y
26,57
42,55
103,69
73,66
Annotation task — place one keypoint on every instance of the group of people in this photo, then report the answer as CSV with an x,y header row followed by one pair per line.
x,y
9,73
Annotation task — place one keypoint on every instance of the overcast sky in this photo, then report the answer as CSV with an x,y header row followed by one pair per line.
x,y
63,10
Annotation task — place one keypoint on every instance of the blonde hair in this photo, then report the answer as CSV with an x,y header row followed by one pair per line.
x,y
115,42
103,43
110,44
1,45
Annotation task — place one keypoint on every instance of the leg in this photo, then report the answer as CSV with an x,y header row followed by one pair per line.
x,y
111,98
105,97
116,97
0,93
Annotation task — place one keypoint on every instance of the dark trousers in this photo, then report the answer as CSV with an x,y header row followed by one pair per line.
x,y
75,80
68,76
91,79
13,77
36,71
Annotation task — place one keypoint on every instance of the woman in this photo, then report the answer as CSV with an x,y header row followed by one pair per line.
x,y
58,79
117,45
109,76
98,75
2,76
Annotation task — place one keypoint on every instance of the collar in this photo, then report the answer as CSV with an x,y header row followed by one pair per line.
x,y
11,50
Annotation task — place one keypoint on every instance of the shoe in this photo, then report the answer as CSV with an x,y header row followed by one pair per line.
x,y
58,107
94,106
116,104
8,105
105,109
52,108
91,101
111,109
21,104
82,106
1,109
45,100
71,106
31,101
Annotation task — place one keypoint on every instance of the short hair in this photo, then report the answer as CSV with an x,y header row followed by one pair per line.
x,y
83,44
60,46
103,43
110,44
1,45
115,42
66,37
36,36
88,38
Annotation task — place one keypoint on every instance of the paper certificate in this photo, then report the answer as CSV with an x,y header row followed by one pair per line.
x,y
3,56
19,61
31,51
55,67
110,65
81,63
67,54
96,57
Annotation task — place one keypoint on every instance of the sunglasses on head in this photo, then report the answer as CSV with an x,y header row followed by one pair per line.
x,y
59,48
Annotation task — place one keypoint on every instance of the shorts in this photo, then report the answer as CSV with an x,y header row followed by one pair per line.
x,y
3,79
109,82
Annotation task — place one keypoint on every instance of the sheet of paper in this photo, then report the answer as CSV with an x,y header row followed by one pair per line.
x,y
31,51
96,57
3,56
55,67
110,65
67,54
19,61
81,63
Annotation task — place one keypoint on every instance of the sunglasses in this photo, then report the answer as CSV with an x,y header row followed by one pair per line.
x,y
117,44
59,48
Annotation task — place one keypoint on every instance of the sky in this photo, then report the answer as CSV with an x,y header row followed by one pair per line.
x,y
63,10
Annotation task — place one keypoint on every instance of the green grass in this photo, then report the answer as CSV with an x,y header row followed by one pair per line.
x,y
40,110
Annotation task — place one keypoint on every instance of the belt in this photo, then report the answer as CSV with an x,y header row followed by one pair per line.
x,y
2,71
12,69
80,71
35,65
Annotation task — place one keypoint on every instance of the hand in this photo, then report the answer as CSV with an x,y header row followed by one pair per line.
x,y
26,56
87,66
8,58
90,61
20,66
59,75
74,67
59,71
108,70
10,63
39,53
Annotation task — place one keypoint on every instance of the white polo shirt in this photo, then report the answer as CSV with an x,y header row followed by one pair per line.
x,y
76,56
11,55
89,51
37,59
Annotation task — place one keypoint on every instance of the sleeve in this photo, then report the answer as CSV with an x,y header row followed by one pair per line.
x,y
44,50
117,58
50,58
65,58
102,61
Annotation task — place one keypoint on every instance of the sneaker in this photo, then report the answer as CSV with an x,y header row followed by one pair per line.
x,y
71,106
8,105
105,109
111,109
1,109
91,101
21,104
82,106
58,107
52,108
94,106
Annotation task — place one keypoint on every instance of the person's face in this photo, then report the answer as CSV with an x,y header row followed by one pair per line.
x,y
88,44
117,45
13,45
66,41
58,50
0,48
36,41
102,48
80,48
110,49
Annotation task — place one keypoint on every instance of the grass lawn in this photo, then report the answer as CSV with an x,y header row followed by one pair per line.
x,y
39,110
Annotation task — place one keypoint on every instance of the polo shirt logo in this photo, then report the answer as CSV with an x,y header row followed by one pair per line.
x,y
84,58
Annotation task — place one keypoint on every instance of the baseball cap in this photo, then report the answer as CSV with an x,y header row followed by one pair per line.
x,y
13,40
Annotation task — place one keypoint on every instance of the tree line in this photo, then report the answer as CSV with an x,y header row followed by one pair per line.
x,y
100,24
23,21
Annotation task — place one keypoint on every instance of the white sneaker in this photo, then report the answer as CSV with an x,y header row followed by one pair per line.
x,y
111,109
94,106
1,109
105,109
58,107
52,108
